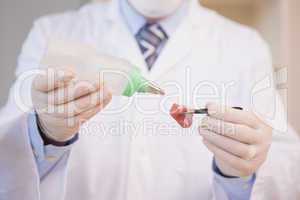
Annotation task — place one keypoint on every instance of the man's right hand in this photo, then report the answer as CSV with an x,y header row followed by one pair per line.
x,y
63,104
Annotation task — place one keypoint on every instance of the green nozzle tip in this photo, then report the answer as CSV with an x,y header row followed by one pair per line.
x,y
136,83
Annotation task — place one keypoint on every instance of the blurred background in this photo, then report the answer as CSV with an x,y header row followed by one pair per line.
x,y
277,20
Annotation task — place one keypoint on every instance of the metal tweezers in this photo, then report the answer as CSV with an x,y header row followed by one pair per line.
x,y
204,111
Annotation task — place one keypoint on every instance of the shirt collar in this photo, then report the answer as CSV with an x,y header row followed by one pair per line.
x,y
135,21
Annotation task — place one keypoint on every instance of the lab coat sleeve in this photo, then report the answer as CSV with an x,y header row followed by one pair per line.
x,y
18,168
46,156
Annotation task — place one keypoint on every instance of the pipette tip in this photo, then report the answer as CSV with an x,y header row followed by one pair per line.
x,y
153,88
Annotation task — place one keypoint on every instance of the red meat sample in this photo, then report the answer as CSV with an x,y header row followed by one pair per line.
x,y
184,120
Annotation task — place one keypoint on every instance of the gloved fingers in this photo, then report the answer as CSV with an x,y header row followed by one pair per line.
x,y
72,92
244,167
239,132
79,105
232,115
50,79
88,114
244,151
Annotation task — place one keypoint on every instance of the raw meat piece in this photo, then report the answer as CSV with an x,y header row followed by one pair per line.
x,y
184,120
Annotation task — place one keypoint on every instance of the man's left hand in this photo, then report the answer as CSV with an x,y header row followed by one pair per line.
x,y
238,139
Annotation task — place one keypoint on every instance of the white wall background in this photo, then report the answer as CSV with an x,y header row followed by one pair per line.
x,y
16,17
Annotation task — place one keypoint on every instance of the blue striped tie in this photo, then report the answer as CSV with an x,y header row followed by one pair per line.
x,y
151,39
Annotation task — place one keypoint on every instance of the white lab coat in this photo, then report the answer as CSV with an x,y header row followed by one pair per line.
x,y
138,152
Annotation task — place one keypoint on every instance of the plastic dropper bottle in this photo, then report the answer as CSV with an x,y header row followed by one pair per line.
x,y
118,74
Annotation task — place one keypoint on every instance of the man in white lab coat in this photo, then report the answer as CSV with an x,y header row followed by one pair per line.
x,y
140,152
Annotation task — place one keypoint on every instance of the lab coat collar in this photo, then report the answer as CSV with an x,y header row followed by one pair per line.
x,y
178,47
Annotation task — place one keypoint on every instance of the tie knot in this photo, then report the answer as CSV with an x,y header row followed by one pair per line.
x,y
151,38
153,33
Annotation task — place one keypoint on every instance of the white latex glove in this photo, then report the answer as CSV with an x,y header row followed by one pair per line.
x,y
238,139
63,104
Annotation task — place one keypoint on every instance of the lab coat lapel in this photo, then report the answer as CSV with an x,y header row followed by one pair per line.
x,y
179,45
120,37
